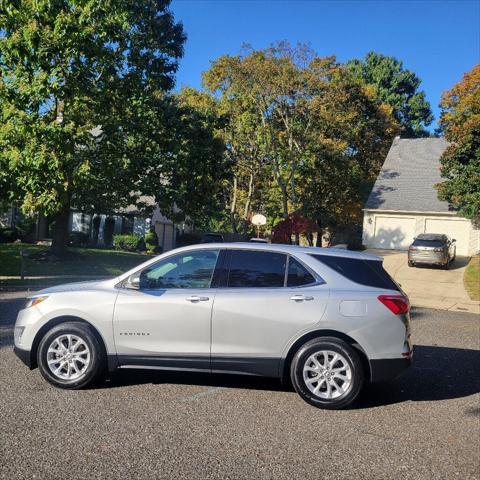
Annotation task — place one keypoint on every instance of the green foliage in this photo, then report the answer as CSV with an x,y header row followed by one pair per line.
x,y
129,242
151,239
460,122
301,134
26,228
82,101
398,88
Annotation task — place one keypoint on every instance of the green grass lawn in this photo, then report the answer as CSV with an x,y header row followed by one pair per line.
x,y
471,278
77,262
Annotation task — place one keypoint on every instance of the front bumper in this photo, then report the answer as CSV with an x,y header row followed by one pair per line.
x,y
388,369
24,356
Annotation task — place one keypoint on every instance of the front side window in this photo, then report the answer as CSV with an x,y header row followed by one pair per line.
x,y
298,275
250,268
185,270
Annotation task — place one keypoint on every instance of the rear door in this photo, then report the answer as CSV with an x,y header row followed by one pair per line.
x,y
267,298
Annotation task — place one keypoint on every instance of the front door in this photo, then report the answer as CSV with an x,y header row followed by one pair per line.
x,y
165,321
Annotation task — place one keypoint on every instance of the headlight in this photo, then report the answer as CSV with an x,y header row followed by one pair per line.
x,y
31,302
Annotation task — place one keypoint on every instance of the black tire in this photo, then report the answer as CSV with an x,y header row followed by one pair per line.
x,y
334,345
97,362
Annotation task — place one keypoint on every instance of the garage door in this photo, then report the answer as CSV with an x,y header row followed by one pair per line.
x,y
394,233
454,228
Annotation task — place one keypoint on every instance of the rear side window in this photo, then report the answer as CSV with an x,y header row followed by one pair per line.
x,y
298,275
365,272
250,268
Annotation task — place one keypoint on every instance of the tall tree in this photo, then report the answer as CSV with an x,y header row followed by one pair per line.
x,y
460,122
397,87
312,126
82,87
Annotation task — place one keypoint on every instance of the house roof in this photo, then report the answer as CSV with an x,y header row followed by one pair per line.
x,y
406,181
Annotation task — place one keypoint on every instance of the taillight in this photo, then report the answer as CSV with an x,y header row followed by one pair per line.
x,y
413,249
395,303
438,249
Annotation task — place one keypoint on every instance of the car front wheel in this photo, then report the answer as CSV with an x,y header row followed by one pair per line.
x,y
327,373
70,356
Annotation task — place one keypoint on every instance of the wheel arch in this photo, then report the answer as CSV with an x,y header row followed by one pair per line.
x,y
58,321
287,361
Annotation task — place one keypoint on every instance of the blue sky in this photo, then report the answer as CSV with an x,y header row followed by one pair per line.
x,y
437,39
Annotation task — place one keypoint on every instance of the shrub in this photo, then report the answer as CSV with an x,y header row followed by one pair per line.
x,y
78,239
151,239
26,229
130,243
8,235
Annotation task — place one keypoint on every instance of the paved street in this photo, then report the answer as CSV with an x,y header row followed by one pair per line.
x,y
145,425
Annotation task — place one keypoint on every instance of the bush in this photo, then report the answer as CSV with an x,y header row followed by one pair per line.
x,y
26,229
151,238
130,243
78,239
8,235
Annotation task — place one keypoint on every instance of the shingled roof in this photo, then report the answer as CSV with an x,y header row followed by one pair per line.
x,y
408,175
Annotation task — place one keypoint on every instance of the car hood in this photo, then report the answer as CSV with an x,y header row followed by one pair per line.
x,y
78,286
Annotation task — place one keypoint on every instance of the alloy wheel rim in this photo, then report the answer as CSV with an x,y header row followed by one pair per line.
x,y
327,374
68,357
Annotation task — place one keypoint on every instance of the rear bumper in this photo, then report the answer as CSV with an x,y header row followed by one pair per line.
x,y
388,369
24,356
430,258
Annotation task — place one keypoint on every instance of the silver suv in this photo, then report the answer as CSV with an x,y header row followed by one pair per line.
x,y
328,319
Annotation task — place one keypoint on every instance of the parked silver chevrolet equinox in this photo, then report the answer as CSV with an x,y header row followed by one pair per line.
x,y
328,319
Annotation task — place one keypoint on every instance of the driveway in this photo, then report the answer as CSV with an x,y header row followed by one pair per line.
x,y
430,287
153,425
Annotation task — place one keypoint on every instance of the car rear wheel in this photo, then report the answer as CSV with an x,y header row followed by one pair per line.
x,y
70,356
327,373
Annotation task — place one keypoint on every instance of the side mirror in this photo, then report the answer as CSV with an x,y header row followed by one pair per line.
x,y
454,240
133,282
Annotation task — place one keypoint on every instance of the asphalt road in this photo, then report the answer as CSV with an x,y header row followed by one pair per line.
x,y
147,425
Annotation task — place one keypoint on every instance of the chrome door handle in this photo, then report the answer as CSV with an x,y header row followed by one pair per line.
x,y
196,298
301,298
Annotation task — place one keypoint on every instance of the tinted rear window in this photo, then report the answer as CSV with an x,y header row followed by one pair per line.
x,y
249,268
298,275
365,272
428,243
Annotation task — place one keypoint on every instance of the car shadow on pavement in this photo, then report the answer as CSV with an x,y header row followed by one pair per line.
x,y
437,373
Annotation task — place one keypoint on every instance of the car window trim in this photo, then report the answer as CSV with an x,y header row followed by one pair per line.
x,y
227,264
123,283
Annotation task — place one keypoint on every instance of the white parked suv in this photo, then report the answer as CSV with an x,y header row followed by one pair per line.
x,y
328,319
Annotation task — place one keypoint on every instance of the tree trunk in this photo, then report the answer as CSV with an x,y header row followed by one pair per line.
x,y
319,233
60,232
